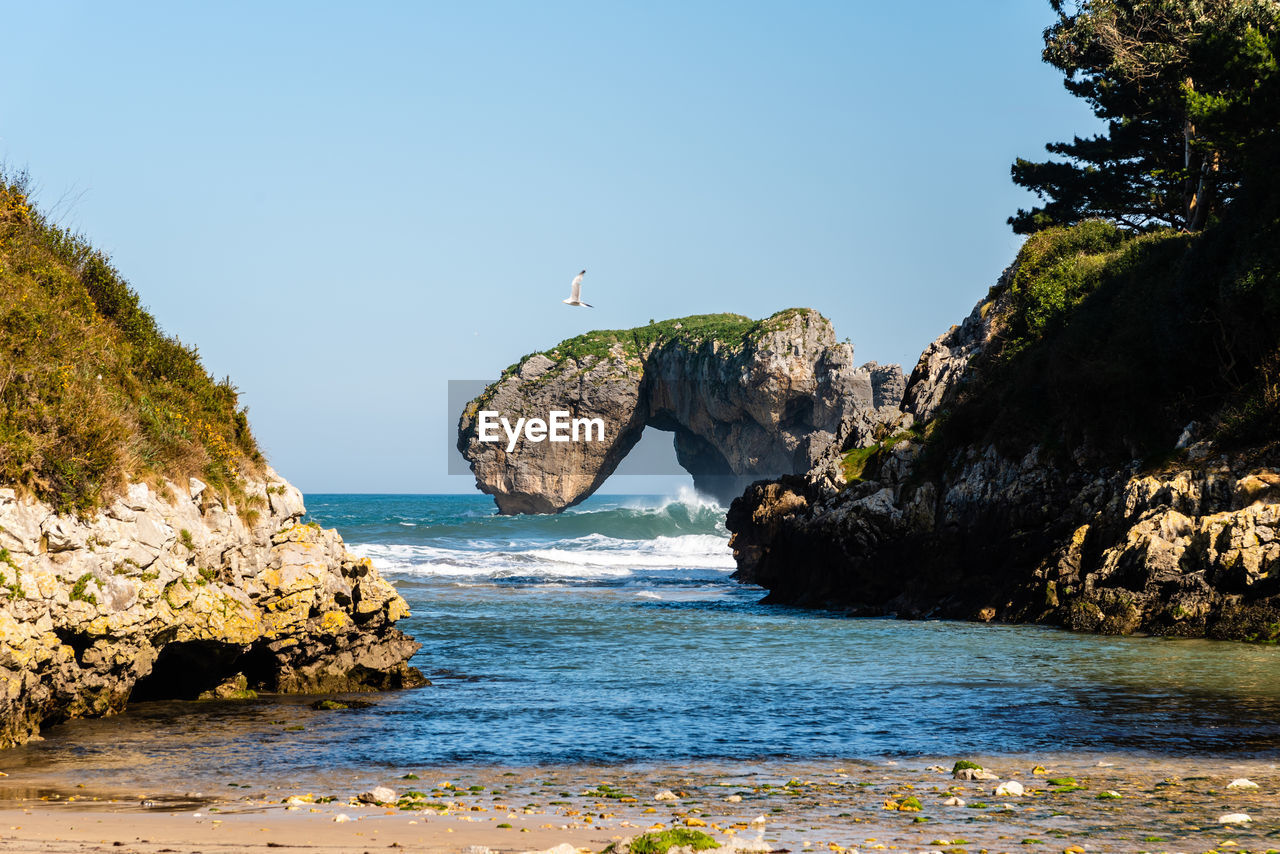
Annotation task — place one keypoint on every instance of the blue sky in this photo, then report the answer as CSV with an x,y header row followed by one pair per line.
x,y
346,207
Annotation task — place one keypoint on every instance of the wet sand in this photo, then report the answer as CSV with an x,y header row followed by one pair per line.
x,y
1163,804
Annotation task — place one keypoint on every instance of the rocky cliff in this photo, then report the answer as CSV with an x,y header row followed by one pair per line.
x,y
146,549
172,592
744,399
1028,488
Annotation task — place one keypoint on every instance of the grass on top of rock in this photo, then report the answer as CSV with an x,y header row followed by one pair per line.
x,y
731,330
92,392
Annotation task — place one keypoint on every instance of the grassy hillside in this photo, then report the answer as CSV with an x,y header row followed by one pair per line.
x,y
91,390
1117,341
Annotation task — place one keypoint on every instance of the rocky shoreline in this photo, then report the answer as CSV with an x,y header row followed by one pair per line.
x,y
1076,804
1187,548
174,592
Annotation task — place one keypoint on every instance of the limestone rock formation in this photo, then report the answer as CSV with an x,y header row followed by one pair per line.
x,y
941,367
1192,548
177,593
745,400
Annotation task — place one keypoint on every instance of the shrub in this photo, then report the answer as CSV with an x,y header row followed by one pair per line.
x,y
1114,343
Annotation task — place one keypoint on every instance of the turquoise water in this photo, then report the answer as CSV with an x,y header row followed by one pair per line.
x,y
612,633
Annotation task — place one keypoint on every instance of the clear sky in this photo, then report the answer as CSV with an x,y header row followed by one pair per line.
x,y
347,205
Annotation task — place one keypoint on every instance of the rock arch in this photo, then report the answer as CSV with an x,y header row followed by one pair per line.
x,y
744,399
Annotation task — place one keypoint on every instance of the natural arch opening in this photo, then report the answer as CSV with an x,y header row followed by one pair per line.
x,y
649,468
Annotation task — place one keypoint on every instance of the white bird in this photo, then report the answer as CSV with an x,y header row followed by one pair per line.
x,y
575,292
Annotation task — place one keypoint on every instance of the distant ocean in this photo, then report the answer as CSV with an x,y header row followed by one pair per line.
x,y
613,633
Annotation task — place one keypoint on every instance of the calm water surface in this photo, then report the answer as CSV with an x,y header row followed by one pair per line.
x,y
612,633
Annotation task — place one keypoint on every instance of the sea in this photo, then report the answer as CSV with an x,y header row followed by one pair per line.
x,y
614,633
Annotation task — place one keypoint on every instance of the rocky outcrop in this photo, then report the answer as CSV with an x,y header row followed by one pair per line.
x,y
1190,548
745,401
942,367
177,592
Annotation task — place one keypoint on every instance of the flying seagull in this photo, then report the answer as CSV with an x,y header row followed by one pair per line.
x,y
575,292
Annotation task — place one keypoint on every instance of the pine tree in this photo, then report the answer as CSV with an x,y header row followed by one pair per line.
x,y
1188,89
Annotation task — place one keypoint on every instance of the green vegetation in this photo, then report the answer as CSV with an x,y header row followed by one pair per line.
x,y
184,537
415,800
1188,91
91,391
1057,268
78,590
731,330
344,705
864,463
1114,342
14,587
662,841
1064,784
963,764
604,790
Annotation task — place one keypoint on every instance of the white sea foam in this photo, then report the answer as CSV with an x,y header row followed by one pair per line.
x,y
637,542
687,496
595,556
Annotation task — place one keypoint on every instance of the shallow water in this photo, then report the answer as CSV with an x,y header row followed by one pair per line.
x,y
613,634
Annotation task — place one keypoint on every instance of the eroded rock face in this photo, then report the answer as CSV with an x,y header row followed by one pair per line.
x,y
1192,550
177,594
1188,552
764,404
942,366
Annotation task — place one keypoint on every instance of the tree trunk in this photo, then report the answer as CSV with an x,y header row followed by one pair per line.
x,y
1190,189
1203,199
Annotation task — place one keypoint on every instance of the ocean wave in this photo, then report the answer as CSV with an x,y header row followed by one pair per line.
x,y
594,556
628,519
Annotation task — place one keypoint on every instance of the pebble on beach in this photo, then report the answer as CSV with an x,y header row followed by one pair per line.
x,y
1234,818
1010,789
1242,783
975,774
378,795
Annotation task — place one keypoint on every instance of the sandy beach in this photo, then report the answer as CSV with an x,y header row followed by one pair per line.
x,y
1072,804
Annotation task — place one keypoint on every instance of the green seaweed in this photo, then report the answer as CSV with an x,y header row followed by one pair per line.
x,y
662,841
